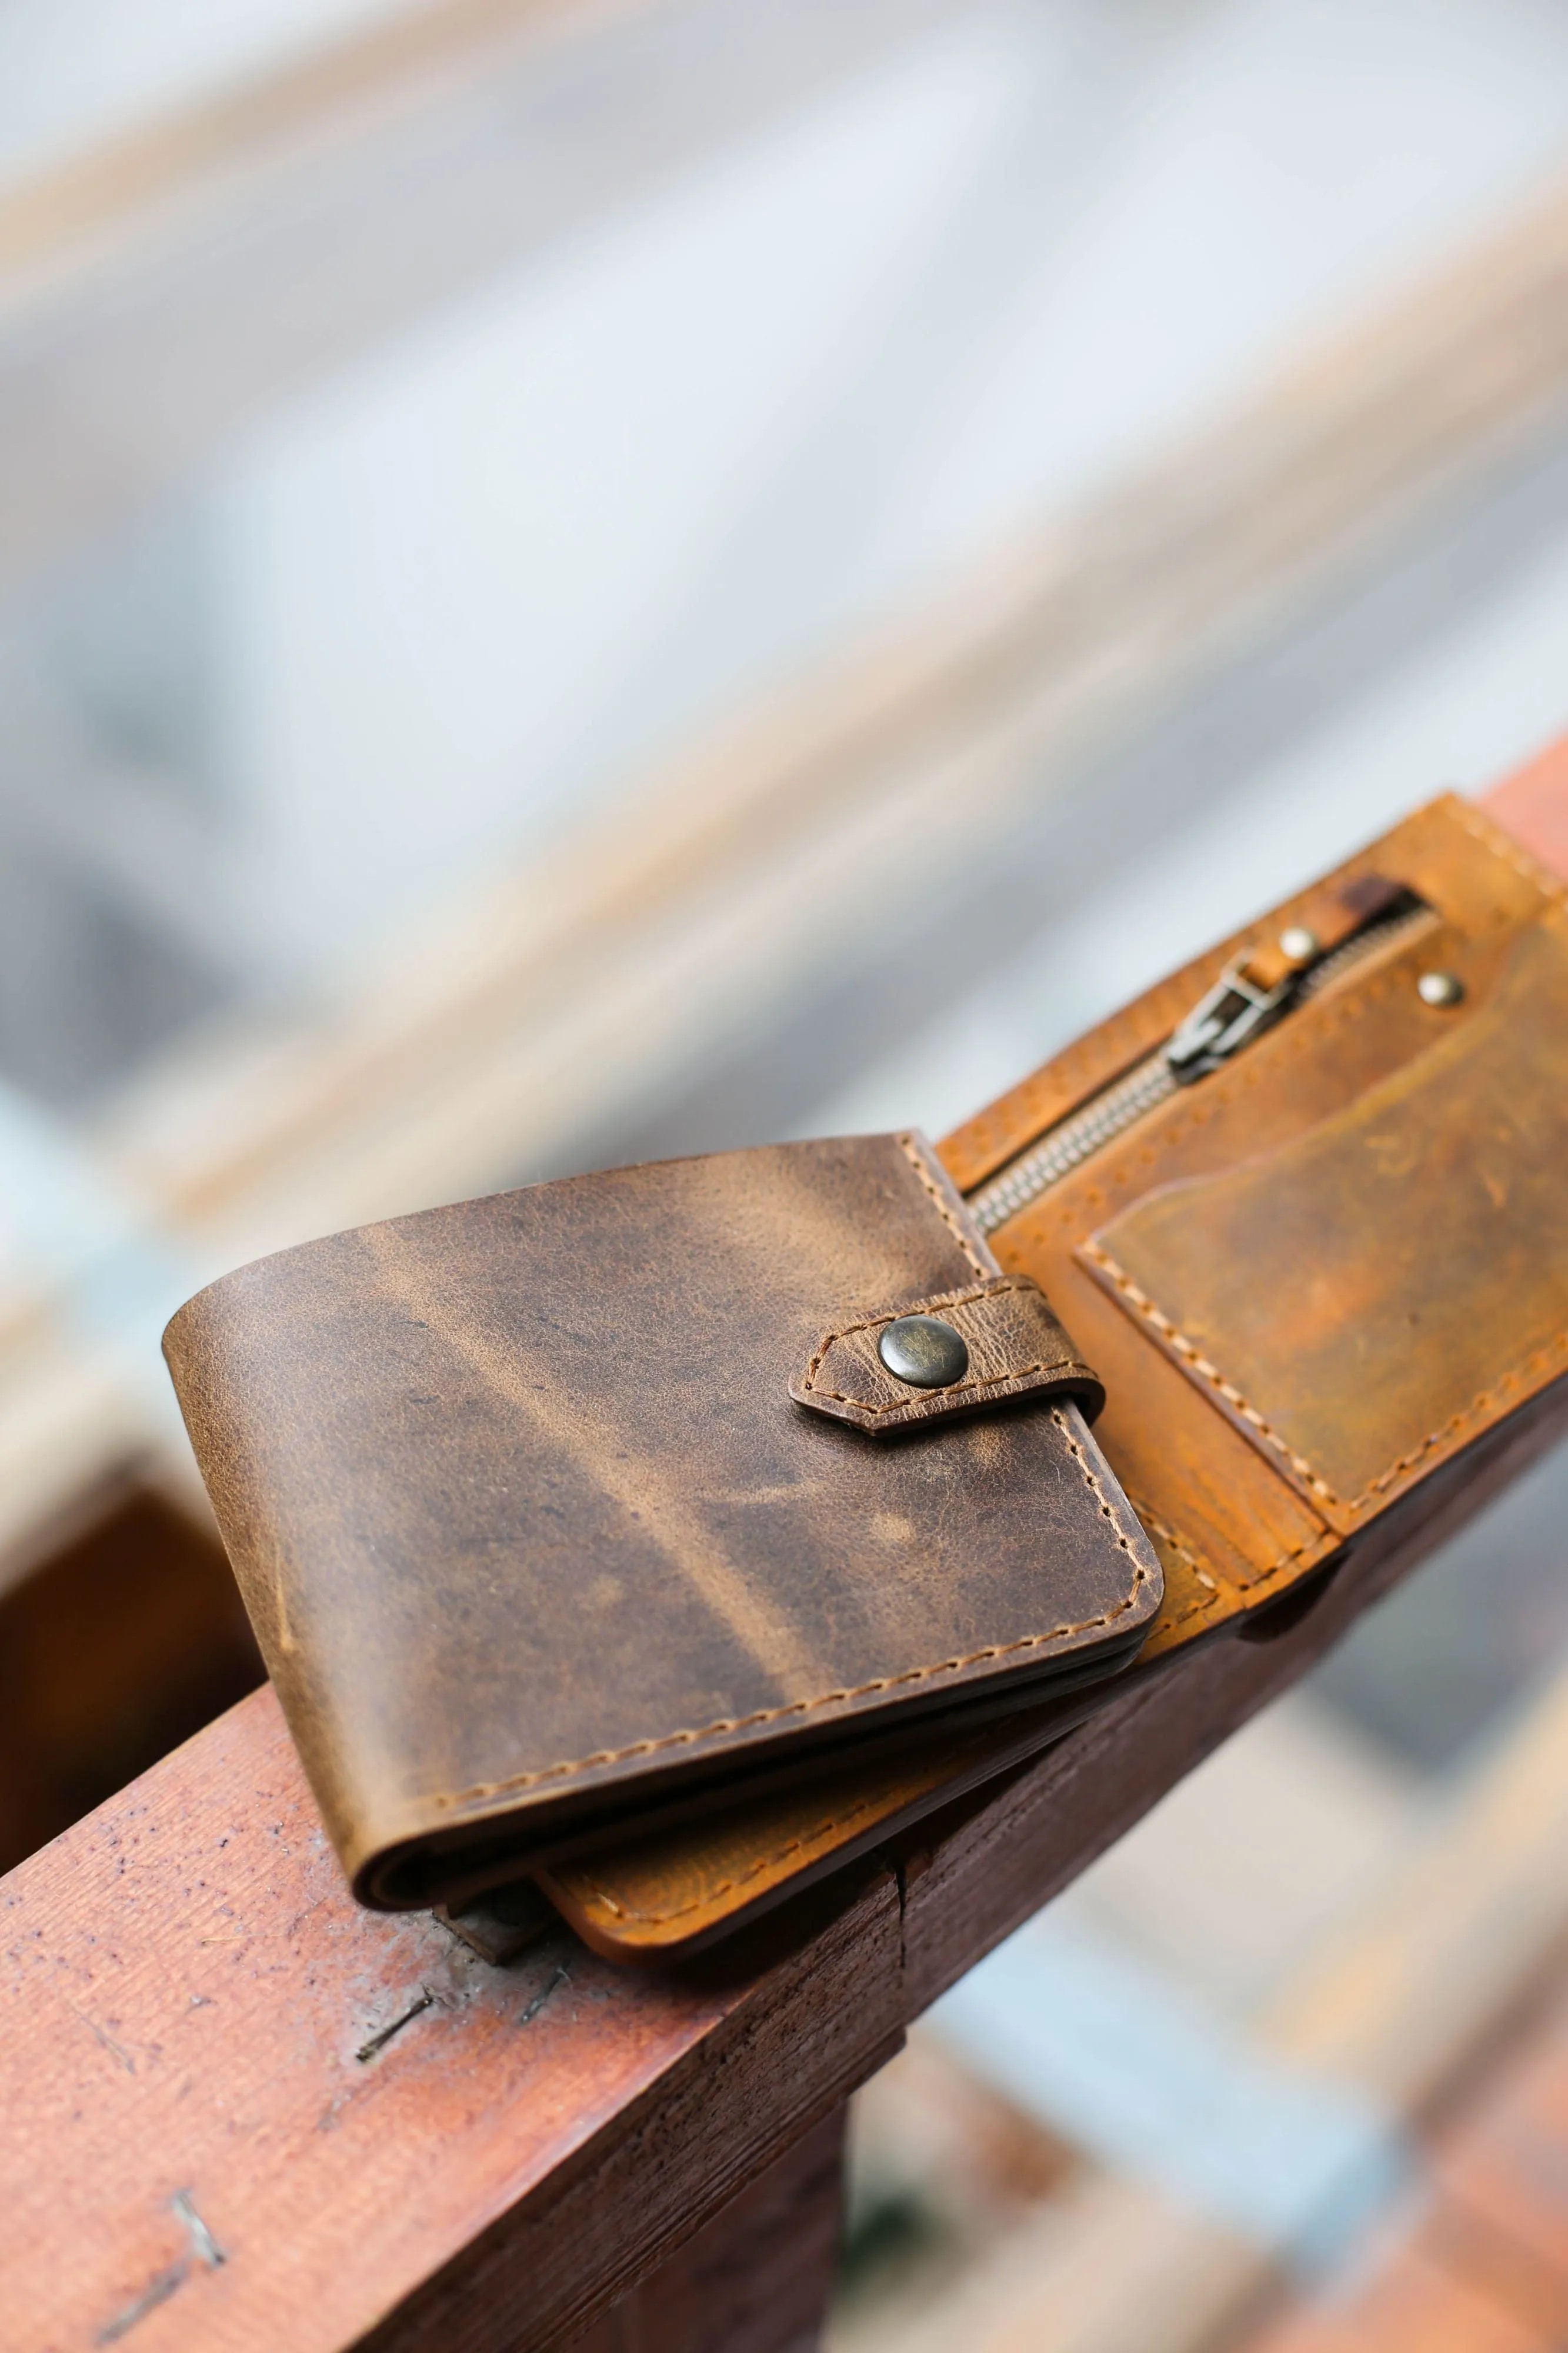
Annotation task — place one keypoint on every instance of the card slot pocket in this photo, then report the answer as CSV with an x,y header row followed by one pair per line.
x,y
1364,1298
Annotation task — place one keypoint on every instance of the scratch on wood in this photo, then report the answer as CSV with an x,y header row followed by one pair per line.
x,y
560,1977
206,2250
102,2036
202,2245
379,2040
157,2291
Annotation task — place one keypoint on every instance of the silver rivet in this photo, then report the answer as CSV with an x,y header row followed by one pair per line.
x,y
923,1351
1440,988
1297,943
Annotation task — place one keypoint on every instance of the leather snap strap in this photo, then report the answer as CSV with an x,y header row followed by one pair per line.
x,y
1011,1346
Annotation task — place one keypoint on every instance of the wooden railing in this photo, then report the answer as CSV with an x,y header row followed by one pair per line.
x,y
240,2113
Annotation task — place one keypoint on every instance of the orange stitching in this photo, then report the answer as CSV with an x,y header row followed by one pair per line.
x,y
1264,1576
1476,1410
763,1863
917,1161
989,1289
1065,1365
1172,1625
1237,1584
1163,1528
1478,1406
1210,1373
483,1790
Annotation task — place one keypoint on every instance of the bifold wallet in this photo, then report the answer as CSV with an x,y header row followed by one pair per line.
x,y
614,1531
1305,1205
593,1505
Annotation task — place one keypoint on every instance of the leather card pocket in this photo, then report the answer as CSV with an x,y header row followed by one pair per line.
x,y
1365,1298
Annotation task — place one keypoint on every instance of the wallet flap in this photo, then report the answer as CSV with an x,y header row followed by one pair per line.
x,y
532,1532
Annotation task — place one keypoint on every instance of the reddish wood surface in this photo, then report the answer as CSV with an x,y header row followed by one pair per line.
x,y
189,1990
757,2279
190,2061
238,2113
1533,804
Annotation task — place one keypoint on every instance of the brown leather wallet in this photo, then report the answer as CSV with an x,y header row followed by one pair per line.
x,y
595,1503
1305,1205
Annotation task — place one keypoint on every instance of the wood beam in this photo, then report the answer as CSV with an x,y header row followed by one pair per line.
x,y
211,2050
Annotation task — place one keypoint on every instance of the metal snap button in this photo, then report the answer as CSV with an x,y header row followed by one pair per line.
x,y
1297,944
1440,988
923,1351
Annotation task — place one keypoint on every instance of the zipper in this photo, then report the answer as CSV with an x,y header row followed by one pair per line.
x,y
1222,1023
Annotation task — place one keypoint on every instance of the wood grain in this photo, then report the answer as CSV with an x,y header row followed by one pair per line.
x,y
209,2046
189,1991
757,2279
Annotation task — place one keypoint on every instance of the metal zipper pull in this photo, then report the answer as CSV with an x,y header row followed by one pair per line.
x,y
1255,990
1232,1013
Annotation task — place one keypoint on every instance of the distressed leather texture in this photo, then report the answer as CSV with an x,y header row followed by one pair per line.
x,y
1308,1280
1016,1348
1363,1296
536,1540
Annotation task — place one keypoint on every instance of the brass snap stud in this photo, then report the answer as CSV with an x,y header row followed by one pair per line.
x,y
1440,988
923,1351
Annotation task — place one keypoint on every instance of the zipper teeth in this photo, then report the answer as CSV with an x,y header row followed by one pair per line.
x,y
1115,1109
1061,1149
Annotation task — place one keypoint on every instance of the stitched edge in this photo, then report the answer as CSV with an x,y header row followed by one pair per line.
x,y
728,1886
1502,843
928,1400
481,1790
1200,1364
916,1160
1329,1539
1478,1409
1155,1526
1265,1575
988,1290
